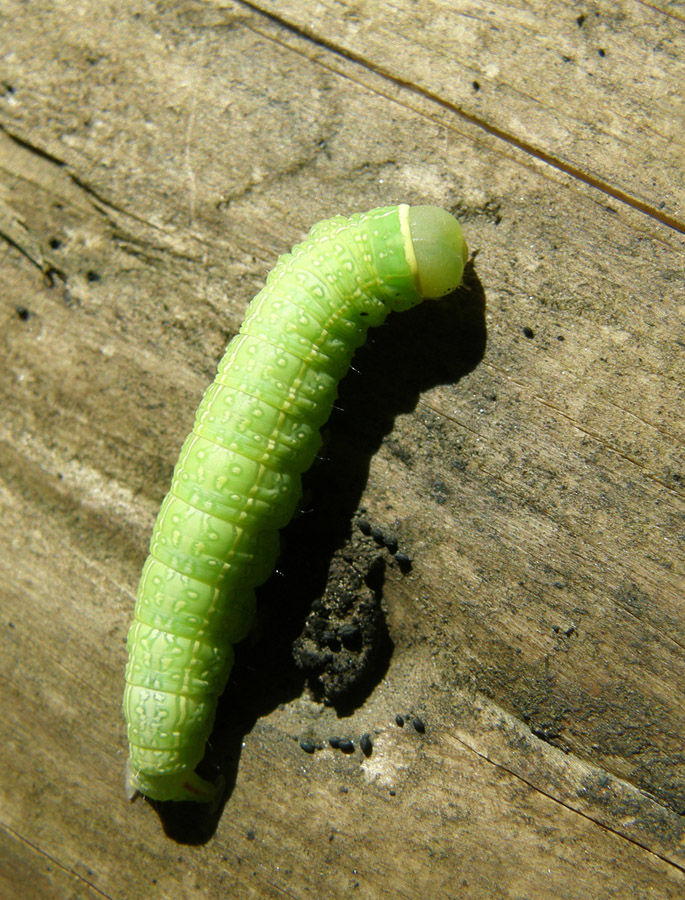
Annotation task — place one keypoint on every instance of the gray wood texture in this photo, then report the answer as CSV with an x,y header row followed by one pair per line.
x,y
154,161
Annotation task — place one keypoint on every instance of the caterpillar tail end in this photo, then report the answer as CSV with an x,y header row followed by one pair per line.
x,y
439,249
186,786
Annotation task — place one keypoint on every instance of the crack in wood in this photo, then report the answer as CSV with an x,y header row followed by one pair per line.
x,y
508,137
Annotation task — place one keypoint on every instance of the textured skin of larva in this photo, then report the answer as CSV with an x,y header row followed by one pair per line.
x,y
238,481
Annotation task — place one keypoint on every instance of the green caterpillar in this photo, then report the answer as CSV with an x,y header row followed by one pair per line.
x,y
238,480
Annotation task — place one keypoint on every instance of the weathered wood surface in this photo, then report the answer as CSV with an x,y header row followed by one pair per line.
x,y
154,161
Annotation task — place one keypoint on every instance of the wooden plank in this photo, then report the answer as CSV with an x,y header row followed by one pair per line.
x,y
595,91
23,864
528,458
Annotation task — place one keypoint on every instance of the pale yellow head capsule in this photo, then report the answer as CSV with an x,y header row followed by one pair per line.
x,y
439,249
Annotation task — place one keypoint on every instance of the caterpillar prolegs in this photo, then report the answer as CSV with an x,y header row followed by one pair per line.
x,y
237,480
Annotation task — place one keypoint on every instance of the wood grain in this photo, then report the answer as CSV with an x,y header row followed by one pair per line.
x,y
524,443
590,91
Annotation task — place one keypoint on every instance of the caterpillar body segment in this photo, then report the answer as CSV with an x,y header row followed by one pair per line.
x,y
238,478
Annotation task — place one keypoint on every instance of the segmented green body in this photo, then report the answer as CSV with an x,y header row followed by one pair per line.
x,y
238,481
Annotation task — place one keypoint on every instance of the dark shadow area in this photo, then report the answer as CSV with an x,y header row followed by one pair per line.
x,y
438,342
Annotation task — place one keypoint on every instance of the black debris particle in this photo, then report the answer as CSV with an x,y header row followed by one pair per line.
x,y
419,725
378,536
366,744
334,742
528,332
92,275
391,544
55,243
601,52
346,745
382,538
475,85
580,20
308,746
392,793
404,562
250,834
23,313
399,720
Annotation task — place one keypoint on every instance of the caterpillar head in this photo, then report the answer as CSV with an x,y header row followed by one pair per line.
x,y
439,248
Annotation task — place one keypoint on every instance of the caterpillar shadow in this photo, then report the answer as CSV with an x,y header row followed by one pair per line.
x,y
438,342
